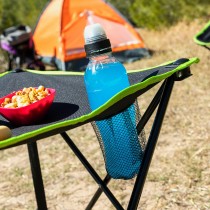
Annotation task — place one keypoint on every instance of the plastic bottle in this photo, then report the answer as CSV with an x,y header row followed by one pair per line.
x,y
105,77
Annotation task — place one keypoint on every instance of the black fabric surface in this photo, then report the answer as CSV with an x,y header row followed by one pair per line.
x,y
71,100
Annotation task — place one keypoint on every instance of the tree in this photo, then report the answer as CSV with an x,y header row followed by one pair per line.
x,y
157,14
24,12
123,6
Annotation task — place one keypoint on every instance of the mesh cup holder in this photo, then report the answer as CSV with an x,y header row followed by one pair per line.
x,y
121,146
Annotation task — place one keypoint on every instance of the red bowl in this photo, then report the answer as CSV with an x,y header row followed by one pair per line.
x,y
29,114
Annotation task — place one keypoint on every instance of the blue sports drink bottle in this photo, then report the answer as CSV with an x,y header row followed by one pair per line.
x,y
104,77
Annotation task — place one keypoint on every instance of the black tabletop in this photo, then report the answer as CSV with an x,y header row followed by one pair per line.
x,y
70,107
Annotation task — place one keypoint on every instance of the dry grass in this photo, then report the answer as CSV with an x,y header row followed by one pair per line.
x,y
178,178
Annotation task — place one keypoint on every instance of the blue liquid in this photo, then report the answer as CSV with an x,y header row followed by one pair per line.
x,y
122,149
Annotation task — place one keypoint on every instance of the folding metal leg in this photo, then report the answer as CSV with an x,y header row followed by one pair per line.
x,y
207,47
37,176
98,193
162,98
148,113
141,177
92,172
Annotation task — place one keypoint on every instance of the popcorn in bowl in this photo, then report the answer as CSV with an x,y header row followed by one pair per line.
x,y
27,106
25,97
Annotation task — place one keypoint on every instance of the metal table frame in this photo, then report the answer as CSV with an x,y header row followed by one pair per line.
x,y
160,101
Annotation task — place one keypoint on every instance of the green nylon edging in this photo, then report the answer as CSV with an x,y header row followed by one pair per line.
x,y
63,73
68,73
130,90
199,33
4,73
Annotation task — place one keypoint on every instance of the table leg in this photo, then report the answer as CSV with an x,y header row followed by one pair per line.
x,y
91,171
98,193
141,177
151,108
37,176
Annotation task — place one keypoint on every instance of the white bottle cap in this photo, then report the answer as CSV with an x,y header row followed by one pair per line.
x,y
94,33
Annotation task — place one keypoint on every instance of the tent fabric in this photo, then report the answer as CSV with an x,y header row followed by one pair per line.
x,y
58,36
70,108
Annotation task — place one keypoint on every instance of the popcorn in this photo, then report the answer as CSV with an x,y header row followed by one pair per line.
x,y
25,97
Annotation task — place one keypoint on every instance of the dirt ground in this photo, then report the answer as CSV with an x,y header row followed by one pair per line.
x,y
179,174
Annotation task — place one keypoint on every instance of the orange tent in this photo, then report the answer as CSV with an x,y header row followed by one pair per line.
x,y
58,35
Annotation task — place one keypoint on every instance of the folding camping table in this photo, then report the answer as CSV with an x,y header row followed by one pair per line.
x,y
203,36
70,109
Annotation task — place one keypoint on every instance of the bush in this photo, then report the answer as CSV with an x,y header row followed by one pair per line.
x,y
24,12
155,14
123,7
159,14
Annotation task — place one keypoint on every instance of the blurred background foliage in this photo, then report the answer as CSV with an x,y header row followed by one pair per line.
x,y
15,12
159,14
152,14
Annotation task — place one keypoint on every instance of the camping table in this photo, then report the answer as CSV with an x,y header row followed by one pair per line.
x,y
202,38
70,109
